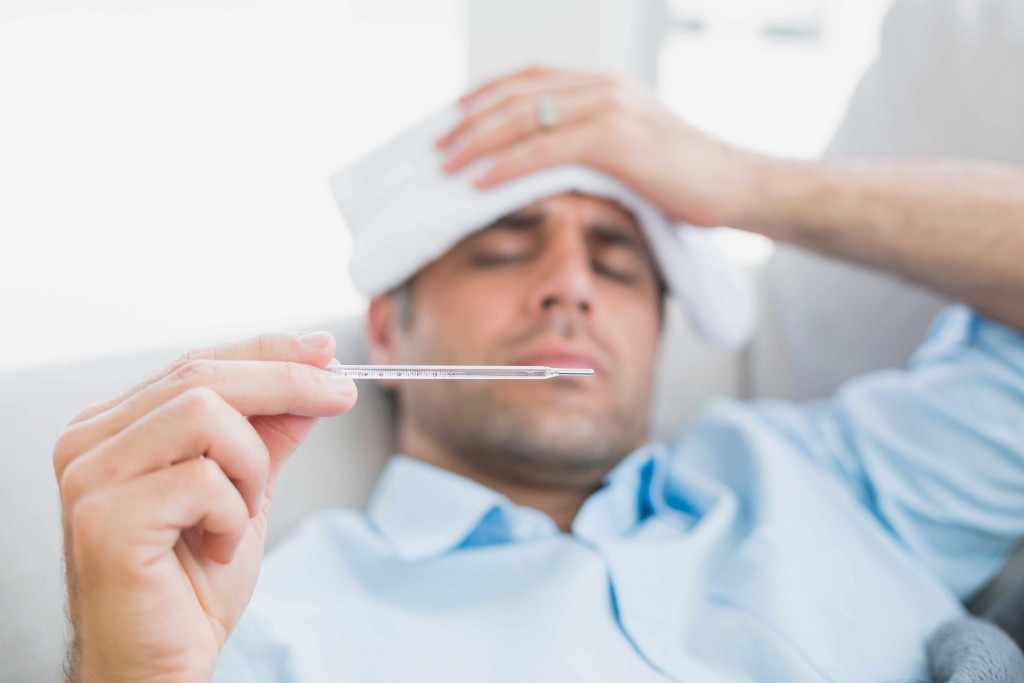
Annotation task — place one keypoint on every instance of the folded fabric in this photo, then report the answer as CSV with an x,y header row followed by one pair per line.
x,y
974,651
404,212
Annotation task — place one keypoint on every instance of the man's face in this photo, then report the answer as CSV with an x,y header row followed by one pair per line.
x,y
568,282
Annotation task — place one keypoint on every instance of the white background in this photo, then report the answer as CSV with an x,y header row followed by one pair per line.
x,y
163,165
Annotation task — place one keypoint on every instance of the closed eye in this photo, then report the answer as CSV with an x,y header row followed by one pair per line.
x,y
491,260
625,276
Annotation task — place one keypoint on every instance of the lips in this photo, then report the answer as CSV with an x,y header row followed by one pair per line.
x,y
560,358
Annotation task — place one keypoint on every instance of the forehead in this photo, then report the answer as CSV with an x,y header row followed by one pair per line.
x,y
577,207
605,219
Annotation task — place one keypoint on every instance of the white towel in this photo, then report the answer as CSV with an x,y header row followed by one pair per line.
x,y
404,212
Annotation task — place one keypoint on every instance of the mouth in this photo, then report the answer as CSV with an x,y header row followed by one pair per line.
x,y
560,358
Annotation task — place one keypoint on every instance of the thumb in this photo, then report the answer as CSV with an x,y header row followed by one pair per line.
x,y
282,434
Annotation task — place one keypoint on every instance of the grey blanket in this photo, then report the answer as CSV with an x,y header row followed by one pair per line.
x,y
974,651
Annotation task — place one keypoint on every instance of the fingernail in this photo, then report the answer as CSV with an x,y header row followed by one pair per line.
x,y
315,341
343,385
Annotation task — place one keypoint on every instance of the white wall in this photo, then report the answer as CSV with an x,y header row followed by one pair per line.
x,y
593,34
163,164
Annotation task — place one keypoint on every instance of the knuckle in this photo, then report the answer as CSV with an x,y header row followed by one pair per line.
x,y
85,413
208,474
70,485
294,346
255,451
266,343
187,357
472,122
65,450
199,402
262,458
295,375
194,372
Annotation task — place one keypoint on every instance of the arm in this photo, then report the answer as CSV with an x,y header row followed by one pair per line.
x,y
954,226
957,227
936,451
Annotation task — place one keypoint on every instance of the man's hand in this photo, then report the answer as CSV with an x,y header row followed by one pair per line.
x,y
165,493
955,226
607,123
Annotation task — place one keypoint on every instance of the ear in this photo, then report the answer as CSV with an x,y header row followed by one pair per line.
x,y
380,329
380,333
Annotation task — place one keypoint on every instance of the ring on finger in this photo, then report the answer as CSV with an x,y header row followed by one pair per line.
x,y
548,115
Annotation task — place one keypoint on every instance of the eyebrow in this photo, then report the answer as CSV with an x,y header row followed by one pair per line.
x,y
616,234
613,233
520,220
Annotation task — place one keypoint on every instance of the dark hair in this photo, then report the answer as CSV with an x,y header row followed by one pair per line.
x,y
401,295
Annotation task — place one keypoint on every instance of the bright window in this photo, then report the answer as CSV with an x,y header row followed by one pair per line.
x,y
774,75
164,165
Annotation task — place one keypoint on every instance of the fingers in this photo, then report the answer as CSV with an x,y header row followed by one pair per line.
x,y
488,87
315,348
514,118
195,423
562,146
530,79
250,387
133,524
281,434
521,92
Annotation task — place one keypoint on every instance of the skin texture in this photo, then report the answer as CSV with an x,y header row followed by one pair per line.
x,y
570,274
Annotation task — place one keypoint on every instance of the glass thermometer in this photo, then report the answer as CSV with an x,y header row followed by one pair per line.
x,y
454,371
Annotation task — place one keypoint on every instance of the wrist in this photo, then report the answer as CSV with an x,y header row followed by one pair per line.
x,y
83,671
778,194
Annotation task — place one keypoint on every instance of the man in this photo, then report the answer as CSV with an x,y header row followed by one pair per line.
x,y
528,531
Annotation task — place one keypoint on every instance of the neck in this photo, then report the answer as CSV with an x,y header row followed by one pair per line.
x,y
561,501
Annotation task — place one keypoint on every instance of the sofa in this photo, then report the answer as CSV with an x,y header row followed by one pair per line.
x,y
940,87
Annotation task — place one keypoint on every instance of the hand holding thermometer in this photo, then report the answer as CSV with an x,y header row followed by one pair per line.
x,y
454,371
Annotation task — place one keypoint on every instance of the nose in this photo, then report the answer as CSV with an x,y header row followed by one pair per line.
x,y
565,283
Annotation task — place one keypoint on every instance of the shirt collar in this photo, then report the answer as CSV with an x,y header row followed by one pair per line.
x,y
424,510
629,495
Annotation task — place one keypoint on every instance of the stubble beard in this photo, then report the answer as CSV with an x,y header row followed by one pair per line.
x,y
551,444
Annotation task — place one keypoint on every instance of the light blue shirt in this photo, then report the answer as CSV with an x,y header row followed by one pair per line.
x,y
769,542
